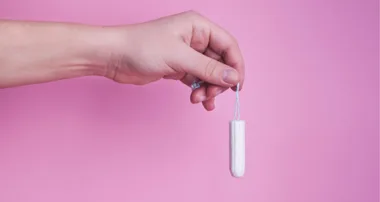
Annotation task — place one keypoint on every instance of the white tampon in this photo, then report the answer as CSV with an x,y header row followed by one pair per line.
x,y
237,148
237,141
237,137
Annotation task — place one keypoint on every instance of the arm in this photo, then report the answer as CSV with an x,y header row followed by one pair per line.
x,y
36,52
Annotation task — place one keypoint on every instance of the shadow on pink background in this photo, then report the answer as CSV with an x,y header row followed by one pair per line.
x,y
311,102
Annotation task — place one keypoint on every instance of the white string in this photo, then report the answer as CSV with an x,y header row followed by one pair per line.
x,y
237,104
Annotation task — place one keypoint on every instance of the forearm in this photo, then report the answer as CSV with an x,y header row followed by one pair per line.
x,y
36,52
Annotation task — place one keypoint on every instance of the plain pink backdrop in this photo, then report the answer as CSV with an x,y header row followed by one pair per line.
x,y
311,103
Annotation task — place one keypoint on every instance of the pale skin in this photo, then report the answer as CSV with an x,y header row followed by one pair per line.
x,y
182,47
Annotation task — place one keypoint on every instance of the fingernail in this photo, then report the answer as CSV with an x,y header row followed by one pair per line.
x,y
230,76
201,98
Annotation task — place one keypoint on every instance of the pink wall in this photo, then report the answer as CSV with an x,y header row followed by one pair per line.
x,y
310,102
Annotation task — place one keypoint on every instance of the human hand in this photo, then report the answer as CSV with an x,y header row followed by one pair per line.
x,y
183,47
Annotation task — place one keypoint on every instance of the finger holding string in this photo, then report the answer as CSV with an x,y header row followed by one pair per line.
x,y
226,46
212,90
222,47
206,93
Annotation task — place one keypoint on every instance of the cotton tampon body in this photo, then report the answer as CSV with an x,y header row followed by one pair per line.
x,y
237,148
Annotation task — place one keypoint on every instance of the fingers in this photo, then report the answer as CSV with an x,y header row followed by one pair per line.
x,y
207,93
224,44
213,91
209,105
206,68
198,95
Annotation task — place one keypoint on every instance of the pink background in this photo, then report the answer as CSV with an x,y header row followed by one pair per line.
x,y
311,103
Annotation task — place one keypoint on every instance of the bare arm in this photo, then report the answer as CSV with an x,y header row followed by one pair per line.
x,y
36,52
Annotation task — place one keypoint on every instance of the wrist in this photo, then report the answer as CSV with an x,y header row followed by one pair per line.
x,y
100,45
92,43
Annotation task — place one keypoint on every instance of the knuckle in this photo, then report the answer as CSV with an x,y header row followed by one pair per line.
x,y
234,40
192,12
195,15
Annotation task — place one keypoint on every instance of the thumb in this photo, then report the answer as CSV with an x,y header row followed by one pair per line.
x,y
208,69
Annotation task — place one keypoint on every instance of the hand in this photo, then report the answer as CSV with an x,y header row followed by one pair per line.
x,y
182,47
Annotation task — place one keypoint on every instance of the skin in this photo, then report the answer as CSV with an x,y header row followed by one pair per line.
x,y
182,47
